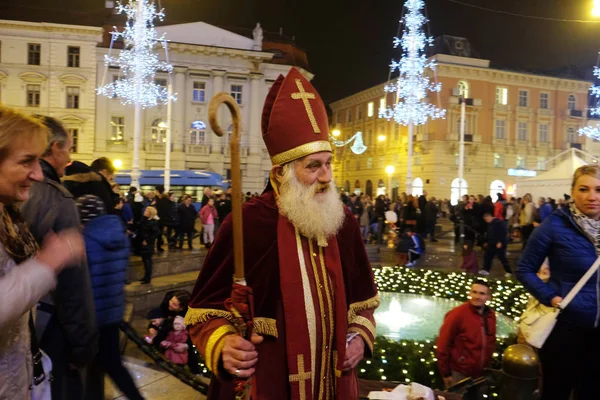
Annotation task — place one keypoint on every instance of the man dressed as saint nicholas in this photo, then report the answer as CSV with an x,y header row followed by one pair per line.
x,y
314,293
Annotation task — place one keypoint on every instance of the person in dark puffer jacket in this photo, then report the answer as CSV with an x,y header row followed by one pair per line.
x,y
570,239
107,249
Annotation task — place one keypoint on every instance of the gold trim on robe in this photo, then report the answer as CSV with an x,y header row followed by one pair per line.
x,y
363,334
265,326
201,315
369,304
214,346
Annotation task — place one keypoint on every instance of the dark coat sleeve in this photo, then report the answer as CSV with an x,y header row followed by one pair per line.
x,y
50,209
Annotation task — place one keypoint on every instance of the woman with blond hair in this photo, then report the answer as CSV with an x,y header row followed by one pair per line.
x,y
570,239
26,272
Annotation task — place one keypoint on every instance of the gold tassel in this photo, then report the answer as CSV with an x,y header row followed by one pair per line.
x,y
201,315
265,326
357,307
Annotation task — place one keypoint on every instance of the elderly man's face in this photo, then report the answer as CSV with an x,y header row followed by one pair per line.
x,y
314,168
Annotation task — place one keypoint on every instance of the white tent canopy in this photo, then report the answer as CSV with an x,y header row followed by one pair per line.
x,y
555,182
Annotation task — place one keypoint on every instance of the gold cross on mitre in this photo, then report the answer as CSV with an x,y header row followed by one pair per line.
x,y
301,377
305,96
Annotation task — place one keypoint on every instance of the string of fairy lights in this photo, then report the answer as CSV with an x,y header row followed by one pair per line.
x,y
408,361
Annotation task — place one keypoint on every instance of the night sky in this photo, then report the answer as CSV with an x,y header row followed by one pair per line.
x,y
349,42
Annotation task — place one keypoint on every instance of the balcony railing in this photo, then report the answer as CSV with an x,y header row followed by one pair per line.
x,y
197,149
574,113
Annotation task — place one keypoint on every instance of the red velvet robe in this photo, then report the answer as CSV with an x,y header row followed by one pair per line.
x,y
301,376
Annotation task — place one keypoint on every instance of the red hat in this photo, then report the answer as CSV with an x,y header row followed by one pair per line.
x,y
294,120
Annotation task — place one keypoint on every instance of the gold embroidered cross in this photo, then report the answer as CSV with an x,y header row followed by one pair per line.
x,y
305,96
301,377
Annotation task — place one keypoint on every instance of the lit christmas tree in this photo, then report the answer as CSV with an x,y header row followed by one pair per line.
x,y
411,107
138,64
593,130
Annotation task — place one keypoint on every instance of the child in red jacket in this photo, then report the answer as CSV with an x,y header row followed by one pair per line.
x,y
175,343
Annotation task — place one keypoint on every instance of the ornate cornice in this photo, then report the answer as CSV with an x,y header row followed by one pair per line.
x,y
513,78
33,77
72,79
49,27
220,51
371,94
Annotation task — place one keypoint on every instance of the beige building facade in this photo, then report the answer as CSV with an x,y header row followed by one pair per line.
x,y
516,123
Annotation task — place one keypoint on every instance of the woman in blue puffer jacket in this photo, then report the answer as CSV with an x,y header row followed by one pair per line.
x,y
570,238
107,249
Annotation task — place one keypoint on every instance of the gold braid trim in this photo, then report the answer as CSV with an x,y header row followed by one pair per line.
x,y
201,315
363,335
214,346
265,326
369,304
365,323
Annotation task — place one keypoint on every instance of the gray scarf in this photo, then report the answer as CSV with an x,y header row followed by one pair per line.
x,y
591,227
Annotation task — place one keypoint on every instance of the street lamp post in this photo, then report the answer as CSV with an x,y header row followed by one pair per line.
x,y
390,171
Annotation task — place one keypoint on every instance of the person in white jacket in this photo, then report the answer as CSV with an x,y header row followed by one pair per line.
x,y
26,272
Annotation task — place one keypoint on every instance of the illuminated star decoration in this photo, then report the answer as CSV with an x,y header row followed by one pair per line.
x,y
412,85
138,62
593,131
358,147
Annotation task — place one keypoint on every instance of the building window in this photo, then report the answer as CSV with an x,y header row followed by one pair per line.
x,y
358,165
117,129
458,189
457,159
369,163
160,82
498,160
73,56
348,115
458,119
199,92
159,131
418,160
497,187
500,129
236,93
463,89
370,109
543,133
34,52
501,96
571,135
72,97
198,133
358,113
541,163
523,98
522,131
520,162
572,103
33,95
382,104
74,133
544,100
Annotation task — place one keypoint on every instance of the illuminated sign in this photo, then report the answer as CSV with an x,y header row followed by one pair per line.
x,y
528,173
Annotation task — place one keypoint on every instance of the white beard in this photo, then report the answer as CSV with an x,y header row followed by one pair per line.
x,y
316,215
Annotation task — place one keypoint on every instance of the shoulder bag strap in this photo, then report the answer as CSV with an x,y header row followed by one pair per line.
x,y
586,277
38,368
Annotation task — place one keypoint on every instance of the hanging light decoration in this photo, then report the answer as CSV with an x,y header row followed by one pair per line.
x,y
358,147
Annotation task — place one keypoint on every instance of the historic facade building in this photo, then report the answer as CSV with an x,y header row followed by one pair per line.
x,y
54,69
50,69
517,122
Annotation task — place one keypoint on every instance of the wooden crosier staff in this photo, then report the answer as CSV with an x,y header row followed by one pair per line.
x,y
240,304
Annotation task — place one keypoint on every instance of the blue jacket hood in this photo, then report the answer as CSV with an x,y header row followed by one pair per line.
x,y
107,231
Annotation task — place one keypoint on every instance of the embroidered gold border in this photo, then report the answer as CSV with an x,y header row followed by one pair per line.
x,y
300,151
328,294
364,322
308,306
362,334
265,326
357,307
201,315
324,329
212,352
